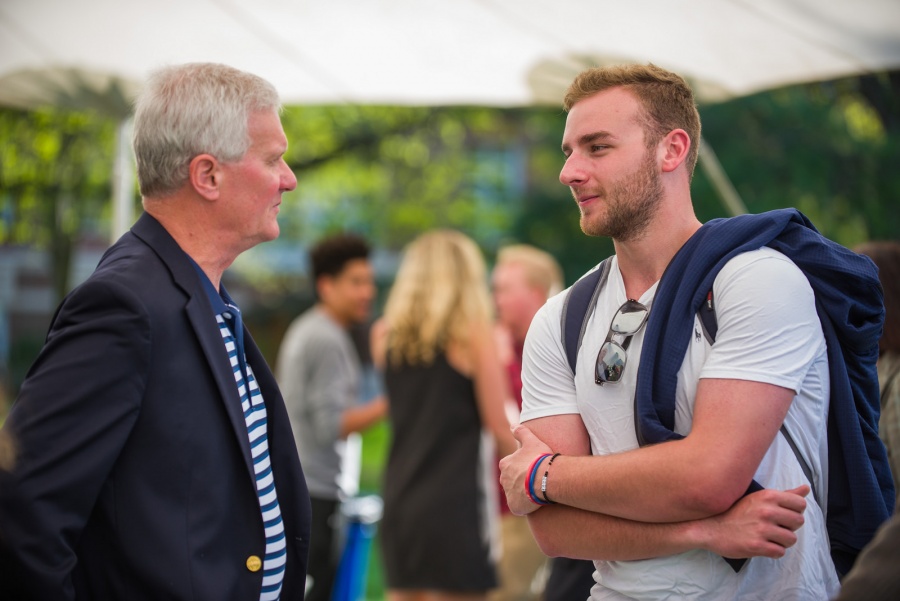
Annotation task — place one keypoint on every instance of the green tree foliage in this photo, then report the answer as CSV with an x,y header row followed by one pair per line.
x,y
830,149
55,172
392,172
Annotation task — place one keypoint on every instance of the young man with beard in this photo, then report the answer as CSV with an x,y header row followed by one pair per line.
x,y
656,519
320,375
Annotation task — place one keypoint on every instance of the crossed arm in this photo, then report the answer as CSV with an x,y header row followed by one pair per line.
x,y
666,498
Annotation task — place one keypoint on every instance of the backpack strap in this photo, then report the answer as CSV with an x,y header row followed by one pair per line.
x,y
710,326
807,471
580,298
583,295
708,322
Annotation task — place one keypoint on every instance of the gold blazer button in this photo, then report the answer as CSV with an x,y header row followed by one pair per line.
x,y
254,563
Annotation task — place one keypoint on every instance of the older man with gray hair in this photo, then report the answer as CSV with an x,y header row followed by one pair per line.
x,y
155,457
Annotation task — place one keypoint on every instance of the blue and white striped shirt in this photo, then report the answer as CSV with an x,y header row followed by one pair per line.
x,y
228,317
257,425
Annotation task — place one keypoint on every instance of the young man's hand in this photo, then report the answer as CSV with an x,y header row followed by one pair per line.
x,y
761,524
514,470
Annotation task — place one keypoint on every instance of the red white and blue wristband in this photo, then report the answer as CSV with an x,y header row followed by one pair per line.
x,y
529,481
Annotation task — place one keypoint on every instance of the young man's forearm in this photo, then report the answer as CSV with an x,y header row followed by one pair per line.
x,y
760,524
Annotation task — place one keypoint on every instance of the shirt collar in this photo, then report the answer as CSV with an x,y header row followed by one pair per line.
x,y
219,299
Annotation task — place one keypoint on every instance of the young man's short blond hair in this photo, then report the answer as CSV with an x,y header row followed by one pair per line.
x,y
541,269
666,97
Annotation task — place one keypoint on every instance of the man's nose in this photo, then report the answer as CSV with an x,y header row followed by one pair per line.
x,y
572,172
289,180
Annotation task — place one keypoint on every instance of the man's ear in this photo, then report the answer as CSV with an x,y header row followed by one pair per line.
x,y
324,286
676,145
205,176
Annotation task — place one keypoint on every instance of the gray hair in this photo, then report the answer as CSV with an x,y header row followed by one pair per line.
x,y
192,109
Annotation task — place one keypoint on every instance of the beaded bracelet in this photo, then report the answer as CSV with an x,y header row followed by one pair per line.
x,y
544,479
529,481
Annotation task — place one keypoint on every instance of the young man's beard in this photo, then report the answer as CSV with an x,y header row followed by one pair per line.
x,y
631,204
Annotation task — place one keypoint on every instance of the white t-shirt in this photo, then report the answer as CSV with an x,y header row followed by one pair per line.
x,y
768,332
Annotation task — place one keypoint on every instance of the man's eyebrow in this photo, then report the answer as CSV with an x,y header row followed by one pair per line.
x,y
591,137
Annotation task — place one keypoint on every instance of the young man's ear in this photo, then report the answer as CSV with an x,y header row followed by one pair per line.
x,y
676,147
205,176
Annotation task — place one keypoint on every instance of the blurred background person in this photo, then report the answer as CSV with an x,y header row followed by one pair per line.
x,y
7,451
874,576
445,386
7,448
886,255
320,374
524,277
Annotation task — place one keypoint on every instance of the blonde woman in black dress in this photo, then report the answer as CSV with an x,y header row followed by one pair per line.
x,y
446,388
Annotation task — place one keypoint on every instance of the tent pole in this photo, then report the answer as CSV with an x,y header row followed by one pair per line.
x,y
123,181
709,162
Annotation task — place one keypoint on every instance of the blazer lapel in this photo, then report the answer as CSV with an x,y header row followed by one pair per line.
x,y
200,314
202,318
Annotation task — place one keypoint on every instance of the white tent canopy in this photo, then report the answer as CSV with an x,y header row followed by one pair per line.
x,y
437,52
95,53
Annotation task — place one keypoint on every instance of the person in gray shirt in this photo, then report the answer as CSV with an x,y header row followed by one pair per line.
x,y
319,373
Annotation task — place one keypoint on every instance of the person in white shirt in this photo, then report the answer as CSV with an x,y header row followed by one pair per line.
x,y
657,520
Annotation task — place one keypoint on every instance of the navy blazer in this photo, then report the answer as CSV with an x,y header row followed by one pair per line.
x,y
134,479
